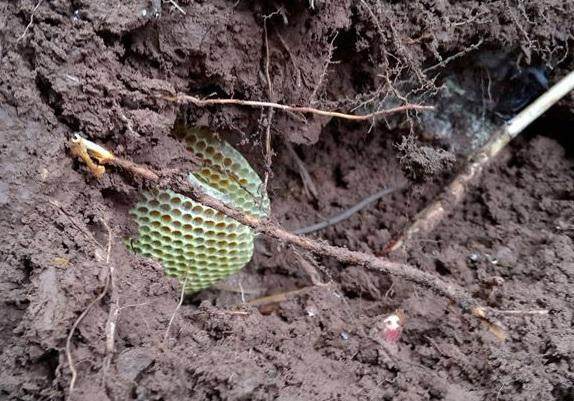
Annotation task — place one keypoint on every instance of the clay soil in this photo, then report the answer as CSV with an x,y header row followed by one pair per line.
x,y
99,66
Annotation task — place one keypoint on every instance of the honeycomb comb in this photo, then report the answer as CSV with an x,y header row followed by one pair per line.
x,y
193,242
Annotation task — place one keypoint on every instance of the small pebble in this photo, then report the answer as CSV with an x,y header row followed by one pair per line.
x,y
76,16
344,335
473,259
311,311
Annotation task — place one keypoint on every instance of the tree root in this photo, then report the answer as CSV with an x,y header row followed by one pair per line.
x,y
431,216
180,184
181,98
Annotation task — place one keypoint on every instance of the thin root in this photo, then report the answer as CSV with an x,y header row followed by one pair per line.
x,y
100,296
114,311
348,212
181,298
308,184
275,298
29,23
181,98
268,150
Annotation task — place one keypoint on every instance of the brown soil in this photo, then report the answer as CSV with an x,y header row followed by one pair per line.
x,y
97,67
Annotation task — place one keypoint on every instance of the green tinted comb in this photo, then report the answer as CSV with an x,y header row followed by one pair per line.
x,y
193,242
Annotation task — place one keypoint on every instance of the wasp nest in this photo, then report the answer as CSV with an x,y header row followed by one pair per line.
x,y
195,243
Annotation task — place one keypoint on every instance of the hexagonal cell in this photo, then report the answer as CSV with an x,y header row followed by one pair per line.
x,y
163,197
187,217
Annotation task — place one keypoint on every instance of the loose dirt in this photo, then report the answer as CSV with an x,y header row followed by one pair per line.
x,y
98,67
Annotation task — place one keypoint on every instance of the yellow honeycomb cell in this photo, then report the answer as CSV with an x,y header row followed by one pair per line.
x,y
195,243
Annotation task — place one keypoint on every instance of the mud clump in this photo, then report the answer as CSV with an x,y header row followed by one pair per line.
x,y
420,163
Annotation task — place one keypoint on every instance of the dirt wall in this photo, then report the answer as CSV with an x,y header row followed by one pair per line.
x,y
99,68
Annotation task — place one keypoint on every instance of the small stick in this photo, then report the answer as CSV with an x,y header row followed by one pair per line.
x,y
281,297
347,213
520,312
83,315
29,23
68,348
454,56
181,297
267,58
181,98
428,218
85,312
308,184
114,311
177,6
71,334
268,150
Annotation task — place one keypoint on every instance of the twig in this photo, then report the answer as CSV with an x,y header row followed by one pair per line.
x,y
520,312
308,183
342,254
454,56
114,311
267,57
280,297
347,213
182,185
71,334
375,19
181,98
29,23
83,315
242,292
181,297
177,6
268,150
427,219
470,20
